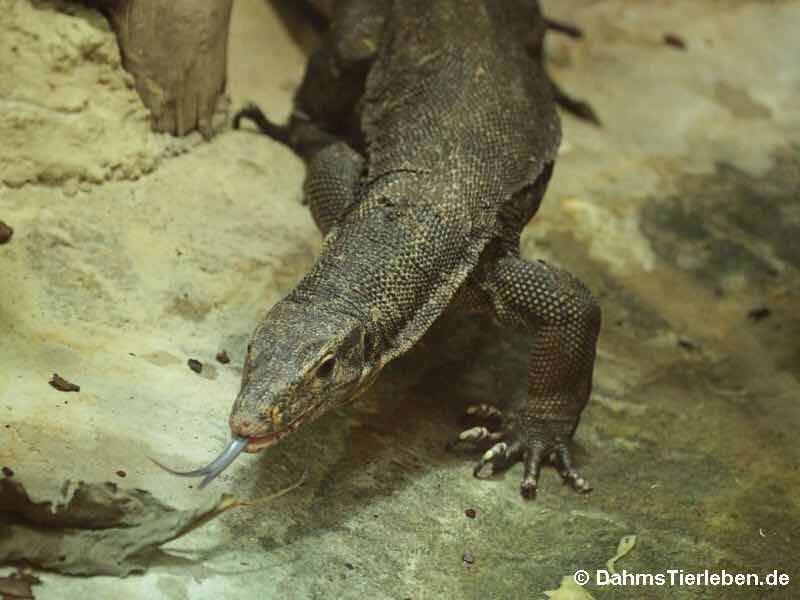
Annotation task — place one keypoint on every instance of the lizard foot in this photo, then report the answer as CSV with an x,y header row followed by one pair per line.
x,y
533,454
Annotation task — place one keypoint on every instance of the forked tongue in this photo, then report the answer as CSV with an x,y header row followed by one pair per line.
x,y
215,467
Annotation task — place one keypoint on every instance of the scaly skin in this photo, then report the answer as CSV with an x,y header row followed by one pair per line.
x,y
430,132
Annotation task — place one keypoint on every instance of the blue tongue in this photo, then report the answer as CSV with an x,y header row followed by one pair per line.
x,y
217,466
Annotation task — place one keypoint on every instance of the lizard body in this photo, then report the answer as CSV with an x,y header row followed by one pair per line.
x,y
430,132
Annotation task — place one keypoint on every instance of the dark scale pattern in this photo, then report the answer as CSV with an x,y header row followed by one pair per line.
x,y
564,319
333,176
430,132
443,99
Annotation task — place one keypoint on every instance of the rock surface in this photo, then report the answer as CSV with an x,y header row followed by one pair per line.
x,y
681,213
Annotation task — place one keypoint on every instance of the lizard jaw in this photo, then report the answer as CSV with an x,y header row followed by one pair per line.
x,y
259,443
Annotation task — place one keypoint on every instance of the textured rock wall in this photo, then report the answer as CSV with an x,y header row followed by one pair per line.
x,y
68,111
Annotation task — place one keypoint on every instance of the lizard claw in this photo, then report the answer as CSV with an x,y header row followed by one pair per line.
x,y
474,436
562,458
484,412
559,455
532,454
500,456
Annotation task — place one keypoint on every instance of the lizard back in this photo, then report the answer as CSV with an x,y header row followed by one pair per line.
x,y
457,118
455,102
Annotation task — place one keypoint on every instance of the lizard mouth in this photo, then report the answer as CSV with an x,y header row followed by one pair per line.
x,y
261,442
257,444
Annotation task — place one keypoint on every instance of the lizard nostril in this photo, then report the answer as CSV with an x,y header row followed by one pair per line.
x,y
243,426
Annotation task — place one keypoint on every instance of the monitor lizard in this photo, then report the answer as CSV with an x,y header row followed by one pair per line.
x,y
430,132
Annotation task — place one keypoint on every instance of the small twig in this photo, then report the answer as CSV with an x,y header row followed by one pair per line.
x,y
730,393
228,502
277,494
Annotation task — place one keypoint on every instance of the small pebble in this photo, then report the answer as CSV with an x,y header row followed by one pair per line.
x,y
223,357
62,385
5,232
759,314
468,558
195,365
8,472
121,473
674,40
470,512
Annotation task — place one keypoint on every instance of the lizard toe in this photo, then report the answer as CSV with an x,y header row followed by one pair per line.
x,y
484,412
501,456
475,436
492,454
532,457
562,459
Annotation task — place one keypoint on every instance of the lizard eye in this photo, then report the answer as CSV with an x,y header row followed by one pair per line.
x,y
326,368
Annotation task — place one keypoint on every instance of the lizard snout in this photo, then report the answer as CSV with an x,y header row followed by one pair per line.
x,y
255,418
249,426
262,425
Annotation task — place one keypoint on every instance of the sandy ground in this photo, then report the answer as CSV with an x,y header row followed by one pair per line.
x,y
134,252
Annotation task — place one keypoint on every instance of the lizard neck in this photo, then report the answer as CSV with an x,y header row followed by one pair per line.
x,y
390,266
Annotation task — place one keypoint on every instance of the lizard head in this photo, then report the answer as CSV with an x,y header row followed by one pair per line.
x,y
302,361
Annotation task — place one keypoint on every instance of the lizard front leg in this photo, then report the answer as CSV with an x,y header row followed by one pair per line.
x,y
331,185
321,128
334,168
563,319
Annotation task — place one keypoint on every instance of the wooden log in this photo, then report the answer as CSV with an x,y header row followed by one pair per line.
x,y
176,51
